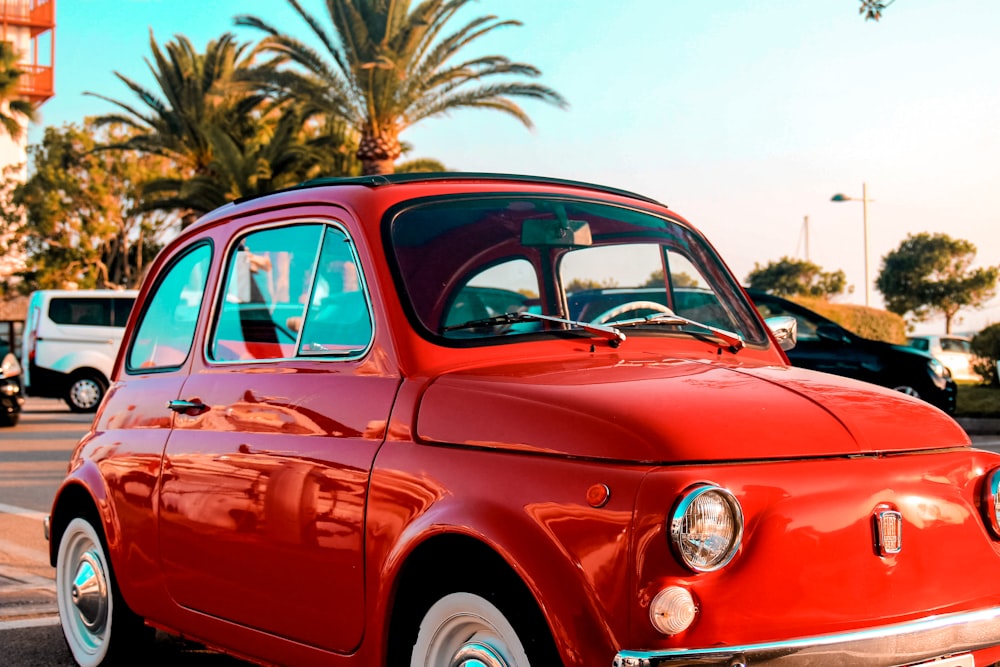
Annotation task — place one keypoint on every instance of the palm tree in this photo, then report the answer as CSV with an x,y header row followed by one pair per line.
x,y
196,92
277,156
10,78
390,67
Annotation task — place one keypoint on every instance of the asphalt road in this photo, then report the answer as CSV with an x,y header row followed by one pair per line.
x,y
33,458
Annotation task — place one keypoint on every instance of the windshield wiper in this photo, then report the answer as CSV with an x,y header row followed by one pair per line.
x,y
609,333
734,341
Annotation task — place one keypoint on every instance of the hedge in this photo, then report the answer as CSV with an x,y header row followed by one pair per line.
x,y
862,320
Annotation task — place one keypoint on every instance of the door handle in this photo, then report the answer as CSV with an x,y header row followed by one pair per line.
x,y
190,408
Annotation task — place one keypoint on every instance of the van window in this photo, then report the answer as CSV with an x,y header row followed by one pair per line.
x,y
90,311
165,332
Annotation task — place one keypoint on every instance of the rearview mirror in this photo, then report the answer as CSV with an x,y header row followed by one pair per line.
x,y
544,233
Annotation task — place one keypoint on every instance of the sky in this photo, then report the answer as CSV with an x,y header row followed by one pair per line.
x,y
743,117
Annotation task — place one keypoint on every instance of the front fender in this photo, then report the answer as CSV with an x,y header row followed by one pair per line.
x,y
83,486
533,512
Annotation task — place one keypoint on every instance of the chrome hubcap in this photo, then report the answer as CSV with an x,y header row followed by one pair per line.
x,y
89,593
477,654
86,393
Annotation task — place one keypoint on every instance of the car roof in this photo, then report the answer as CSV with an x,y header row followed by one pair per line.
x,y
380,180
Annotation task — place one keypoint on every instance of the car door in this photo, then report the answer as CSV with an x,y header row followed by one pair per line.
x,y
133,425
266,472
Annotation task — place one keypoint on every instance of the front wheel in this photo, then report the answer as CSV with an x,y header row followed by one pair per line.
x,y
98,626
466,629
85,391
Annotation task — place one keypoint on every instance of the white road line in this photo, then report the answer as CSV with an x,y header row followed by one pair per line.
x,y
22,623
21,511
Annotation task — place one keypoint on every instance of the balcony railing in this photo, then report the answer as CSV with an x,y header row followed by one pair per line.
x,y
40,15
36,82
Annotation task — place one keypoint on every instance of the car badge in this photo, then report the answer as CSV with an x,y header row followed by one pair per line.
x,y
888,531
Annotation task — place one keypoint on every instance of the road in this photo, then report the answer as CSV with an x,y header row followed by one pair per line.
x,y
33,458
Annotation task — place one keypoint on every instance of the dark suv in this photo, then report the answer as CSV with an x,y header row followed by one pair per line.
x,y
824,345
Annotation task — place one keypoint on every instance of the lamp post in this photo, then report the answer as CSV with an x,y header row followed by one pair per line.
x,y
864,201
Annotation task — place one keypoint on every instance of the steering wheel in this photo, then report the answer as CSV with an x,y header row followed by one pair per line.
x,y
627,307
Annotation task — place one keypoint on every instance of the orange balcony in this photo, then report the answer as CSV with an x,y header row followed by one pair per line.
x,y
38,15
36,83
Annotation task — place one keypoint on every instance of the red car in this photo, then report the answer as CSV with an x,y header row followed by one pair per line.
x,y
358,423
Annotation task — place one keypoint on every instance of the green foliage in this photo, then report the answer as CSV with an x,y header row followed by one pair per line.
x,y
679,279
986,347
872,9
976,400
388,66
794,277
862,320
82,225
20,111
581,285
931,274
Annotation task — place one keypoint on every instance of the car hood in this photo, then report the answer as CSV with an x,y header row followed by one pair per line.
x,y
674,411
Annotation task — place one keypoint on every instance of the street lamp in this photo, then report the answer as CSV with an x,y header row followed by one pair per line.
x,y
864,200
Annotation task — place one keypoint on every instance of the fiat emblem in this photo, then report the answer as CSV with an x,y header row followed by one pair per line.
x,y
888,531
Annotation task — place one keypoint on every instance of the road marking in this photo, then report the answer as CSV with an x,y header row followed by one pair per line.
x,y
22,623
22,511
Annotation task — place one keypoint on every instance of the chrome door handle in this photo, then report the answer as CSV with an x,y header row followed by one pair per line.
x,y
192,408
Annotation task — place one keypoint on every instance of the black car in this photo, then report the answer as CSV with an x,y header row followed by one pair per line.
x,y
824,345
11,395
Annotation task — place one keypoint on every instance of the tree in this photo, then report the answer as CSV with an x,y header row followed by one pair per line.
x,y
796,277
82,224
196,92
389,68
931,273
872,9
18,111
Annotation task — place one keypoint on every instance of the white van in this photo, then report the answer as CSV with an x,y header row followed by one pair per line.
x,y
71,339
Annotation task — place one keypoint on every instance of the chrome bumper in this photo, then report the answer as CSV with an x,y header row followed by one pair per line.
x,y
904,643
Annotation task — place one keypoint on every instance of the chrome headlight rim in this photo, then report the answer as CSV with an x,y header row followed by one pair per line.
x,y
991,502
676,523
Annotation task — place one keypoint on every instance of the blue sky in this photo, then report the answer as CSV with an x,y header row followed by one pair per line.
x,y
744,117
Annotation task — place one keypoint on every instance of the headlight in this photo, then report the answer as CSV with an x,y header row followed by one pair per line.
x,y
991,502
9,367
706,528
939,373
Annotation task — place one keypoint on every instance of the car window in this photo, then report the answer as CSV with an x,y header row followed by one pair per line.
x,y
593,298
165,331
268,278
508,287
956,345
920,343
338,319
289,291
539,254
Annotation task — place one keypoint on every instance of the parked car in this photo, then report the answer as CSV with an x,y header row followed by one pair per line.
x,y
356,423
955,352
70,341
824,345
11,394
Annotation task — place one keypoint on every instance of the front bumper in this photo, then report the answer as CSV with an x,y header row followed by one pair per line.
x,y
903,643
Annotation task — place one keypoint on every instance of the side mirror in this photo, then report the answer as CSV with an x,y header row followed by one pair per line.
x,y
785,330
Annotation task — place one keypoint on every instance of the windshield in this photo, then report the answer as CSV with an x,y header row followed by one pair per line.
x,y
463,260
